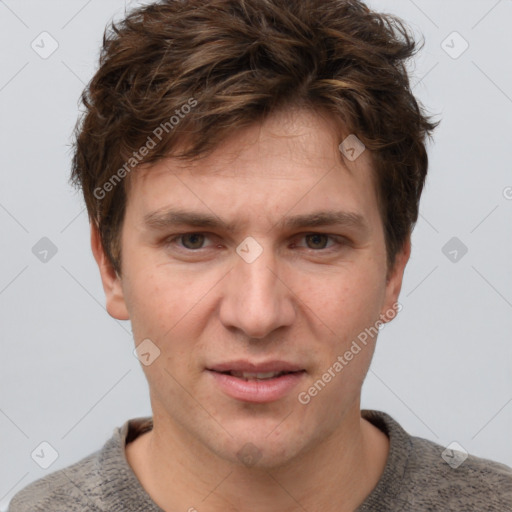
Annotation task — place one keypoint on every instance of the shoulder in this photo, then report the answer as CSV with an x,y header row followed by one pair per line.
x,y
69,489
458,480
102,481
423,475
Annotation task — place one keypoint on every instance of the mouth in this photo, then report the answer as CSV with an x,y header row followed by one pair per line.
x,y
261,383
260,376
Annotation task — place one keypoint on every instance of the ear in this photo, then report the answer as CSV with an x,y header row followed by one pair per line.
x,y
112,285
394,283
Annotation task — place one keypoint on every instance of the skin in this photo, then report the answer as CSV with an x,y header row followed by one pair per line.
x,y
302,300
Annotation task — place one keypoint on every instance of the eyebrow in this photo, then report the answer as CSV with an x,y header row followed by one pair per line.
x,y
171,217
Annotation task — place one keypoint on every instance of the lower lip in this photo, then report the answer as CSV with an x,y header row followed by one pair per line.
x,y
260,391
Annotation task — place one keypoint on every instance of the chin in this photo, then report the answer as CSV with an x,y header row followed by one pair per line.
x,y
261,447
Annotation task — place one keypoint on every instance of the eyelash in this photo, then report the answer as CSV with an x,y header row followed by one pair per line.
x,y
338,241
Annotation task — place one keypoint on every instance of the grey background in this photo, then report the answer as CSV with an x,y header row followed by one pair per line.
x,y
442,368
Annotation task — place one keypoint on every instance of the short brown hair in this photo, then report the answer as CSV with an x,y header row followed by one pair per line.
x,y
232,63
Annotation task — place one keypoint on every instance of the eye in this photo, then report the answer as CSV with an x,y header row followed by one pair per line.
x,y
318,241
191,241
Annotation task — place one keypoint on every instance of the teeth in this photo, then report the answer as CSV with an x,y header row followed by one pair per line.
x,y
259,376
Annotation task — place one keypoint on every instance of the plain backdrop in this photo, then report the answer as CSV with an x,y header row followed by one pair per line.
x,y
442,368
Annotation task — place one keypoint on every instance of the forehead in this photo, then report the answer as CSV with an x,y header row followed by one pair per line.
x,y
291,161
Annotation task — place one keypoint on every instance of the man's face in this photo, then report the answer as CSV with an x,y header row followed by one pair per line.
x,y
295,294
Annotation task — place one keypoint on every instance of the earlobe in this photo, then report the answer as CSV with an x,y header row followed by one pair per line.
x,y
112,286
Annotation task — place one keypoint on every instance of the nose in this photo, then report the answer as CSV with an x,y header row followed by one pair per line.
x,y
256,299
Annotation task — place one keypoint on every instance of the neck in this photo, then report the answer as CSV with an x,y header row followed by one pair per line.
x,y
336,474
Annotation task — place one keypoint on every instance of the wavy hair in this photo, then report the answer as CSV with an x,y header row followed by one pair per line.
x,y
236,62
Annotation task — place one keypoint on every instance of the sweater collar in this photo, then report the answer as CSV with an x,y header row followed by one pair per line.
x,y
122,485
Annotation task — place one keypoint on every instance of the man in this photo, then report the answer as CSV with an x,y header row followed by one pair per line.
x,y
252,171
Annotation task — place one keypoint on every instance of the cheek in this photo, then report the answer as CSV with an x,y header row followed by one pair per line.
x,y
163,300
165,306
342,308
345,299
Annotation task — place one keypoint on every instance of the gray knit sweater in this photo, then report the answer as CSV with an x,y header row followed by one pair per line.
x,y
416,479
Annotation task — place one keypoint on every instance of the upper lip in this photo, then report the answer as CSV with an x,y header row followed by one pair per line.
x,y
242,365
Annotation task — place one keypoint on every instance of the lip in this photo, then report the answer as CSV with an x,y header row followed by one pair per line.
x,y
256,391
243,365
